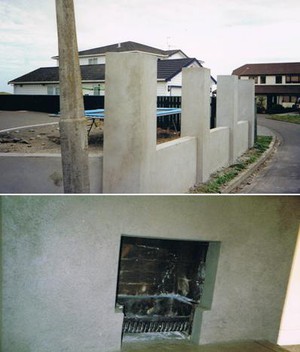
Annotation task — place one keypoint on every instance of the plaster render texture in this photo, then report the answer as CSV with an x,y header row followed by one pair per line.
x,y
130,123
60,265
242,137
246,106
195,114
227,110
176,165
218,149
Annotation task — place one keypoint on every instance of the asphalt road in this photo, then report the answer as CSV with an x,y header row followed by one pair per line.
x,y
282,173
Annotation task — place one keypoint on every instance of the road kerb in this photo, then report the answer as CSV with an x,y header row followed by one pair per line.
x,y
238,180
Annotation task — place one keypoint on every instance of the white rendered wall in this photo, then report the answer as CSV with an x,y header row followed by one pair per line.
x,y
218,149
242,137
227,110
246,107
162,89
130,126
85,60
176,165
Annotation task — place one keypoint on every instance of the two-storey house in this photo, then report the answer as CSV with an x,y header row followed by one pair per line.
x,y
170,63
275,83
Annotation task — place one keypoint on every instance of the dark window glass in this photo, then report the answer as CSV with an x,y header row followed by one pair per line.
x,y
293,79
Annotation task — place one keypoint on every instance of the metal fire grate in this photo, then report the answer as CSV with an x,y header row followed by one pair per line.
x,y
164,313
144,324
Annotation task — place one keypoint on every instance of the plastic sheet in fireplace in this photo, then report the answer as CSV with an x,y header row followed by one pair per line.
x,y
160,284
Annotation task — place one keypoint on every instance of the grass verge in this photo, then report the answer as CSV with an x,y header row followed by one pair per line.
x,y
221,178
285,118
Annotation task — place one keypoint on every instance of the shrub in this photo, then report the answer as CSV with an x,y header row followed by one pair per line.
x,y
276,109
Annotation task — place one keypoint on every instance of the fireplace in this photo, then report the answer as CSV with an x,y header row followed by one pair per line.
x,y
160,283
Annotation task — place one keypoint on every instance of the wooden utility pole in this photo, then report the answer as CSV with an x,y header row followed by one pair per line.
x,y
73,133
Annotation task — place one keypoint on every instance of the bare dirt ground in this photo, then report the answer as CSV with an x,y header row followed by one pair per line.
x,y
46,139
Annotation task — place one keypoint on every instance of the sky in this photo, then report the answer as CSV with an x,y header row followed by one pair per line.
x,y
225,34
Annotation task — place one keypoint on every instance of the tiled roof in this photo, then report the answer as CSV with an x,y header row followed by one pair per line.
x,y
283,68
51,74
42,74
126,46
278,89
166,69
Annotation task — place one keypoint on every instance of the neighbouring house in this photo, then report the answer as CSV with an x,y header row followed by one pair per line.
x,y
45,80
275,83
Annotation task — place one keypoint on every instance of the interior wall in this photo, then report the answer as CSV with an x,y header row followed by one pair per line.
x,y
60,265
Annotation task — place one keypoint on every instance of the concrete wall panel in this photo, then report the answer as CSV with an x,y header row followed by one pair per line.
x,y
218,149
176,165
242,137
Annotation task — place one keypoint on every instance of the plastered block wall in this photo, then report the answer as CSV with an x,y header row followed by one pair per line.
x,y
130,124
235,105
132,163
60,264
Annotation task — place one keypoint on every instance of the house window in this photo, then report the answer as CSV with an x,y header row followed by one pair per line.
x,y
293,79
263,79
51,90
97,90
93,61
278,79
255,79
289,99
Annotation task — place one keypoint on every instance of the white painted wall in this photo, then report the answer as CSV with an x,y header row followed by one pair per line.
x,y
85,60
289,333
39,89
162,89
30,89
178,55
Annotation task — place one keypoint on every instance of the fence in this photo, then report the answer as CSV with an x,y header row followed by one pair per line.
x,y
170,122
44,103
50,104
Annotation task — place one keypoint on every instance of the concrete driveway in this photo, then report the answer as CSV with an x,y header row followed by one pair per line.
x,y
11,119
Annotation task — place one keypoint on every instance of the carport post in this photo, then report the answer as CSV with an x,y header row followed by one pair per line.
x,y
73,133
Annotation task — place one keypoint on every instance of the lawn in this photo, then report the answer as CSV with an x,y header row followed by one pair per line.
x,y
292,118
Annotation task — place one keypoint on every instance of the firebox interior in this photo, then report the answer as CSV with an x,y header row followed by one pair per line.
x,y
160,283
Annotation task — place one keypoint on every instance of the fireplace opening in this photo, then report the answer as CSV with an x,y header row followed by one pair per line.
x,y
160,283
